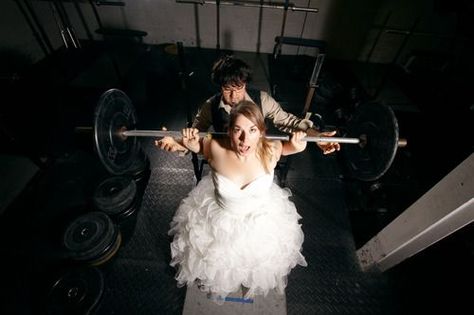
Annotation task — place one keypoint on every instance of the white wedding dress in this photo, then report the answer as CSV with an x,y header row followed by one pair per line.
x,y
225,236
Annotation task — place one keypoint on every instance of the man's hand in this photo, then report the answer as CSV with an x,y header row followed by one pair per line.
x,y
170,144
191,139
326,147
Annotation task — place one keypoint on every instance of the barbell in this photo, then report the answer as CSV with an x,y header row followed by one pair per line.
x,y
373,133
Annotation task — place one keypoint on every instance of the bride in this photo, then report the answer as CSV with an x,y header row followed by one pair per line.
x,y
237,227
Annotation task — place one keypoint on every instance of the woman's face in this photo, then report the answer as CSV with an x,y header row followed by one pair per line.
x,y
244,136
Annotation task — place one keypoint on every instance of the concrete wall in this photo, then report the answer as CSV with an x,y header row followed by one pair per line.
x,y
433,29
350,27
16,37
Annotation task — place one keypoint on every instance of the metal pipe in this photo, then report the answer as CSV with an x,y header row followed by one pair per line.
x,y
166,133
302,28
196,26
111,3
313,82
59,23
277,48
67,24
259,28
283,24
255,4
218,22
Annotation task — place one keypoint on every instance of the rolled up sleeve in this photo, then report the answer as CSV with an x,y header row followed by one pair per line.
x,y
282,120
203,119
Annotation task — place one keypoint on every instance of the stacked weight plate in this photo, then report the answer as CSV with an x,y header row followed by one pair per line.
x,y
78,291
92,239
117,197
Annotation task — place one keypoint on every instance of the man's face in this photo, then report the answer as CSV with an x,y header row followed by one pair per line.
x,y
233,94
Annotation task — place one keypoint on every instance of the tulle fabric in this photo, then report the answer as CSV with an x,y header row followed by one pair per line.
x,y
226,237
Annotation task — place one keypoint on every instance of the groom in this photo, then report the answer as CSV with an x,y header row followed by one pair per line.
x,y
232,75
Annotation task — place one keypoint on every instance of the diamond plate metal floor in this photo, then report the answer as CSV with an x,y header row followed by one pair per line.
x,y
140,280
333,282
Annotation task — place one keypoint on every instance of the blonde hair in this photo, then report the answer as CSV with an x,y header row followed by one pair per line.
x,y
253,113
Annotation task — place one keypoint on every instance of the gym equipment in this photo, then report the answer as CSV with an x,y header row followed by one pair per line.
x,y
92,239
377,126
115,111
373,131
78,291
255,4
64,24
116,196
283,5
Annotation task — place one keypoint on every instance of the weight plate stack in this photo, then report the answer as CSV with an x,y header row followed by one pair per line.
x,y
140,169
79,291
92,238
117,197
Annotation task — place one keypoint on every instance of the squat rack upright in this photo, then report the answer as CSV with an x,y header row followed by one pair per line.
x,y
282,5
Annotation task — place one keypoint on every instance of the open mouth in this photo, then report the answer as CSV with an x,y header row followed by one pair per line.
x,y
243,149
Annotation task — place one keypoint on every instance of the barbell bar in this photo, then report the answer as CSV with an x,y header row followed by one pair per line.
x,y
176,134
373,127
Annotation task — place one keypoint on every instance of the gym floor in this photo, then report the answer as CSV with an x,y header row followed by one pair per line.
x,y
339,213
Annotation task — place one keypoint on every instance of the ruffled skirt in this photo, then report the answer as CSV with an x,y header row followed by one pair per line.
x,y
223,249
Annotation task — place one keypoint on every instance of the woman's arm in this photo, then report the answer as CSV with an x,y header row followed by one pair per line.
x,y
295,145
196,144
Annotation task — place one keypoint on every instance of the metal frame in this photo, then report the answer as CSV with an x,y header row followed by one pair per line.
x,y
444,209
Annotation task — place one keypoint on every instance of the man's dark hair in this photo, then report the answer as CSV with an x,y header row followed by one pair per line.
x,y
229,70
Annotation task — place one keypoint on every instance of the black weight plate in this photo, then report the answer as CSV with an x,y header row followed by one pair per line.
x,y
376,125
127,213
89,235
108,252
115,112
77,292
140,168
115,194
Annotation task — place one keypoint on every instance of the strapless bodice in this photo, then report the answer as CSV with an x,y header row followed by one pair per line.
x,y
230,196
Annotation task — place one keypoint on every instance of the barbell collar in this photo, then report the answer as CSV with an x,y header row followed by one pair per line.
x,y
402,142
166,133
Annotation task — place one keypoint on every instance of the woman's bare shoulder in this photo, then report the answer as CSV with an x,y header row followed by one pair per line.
x,y
214,147
276,148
